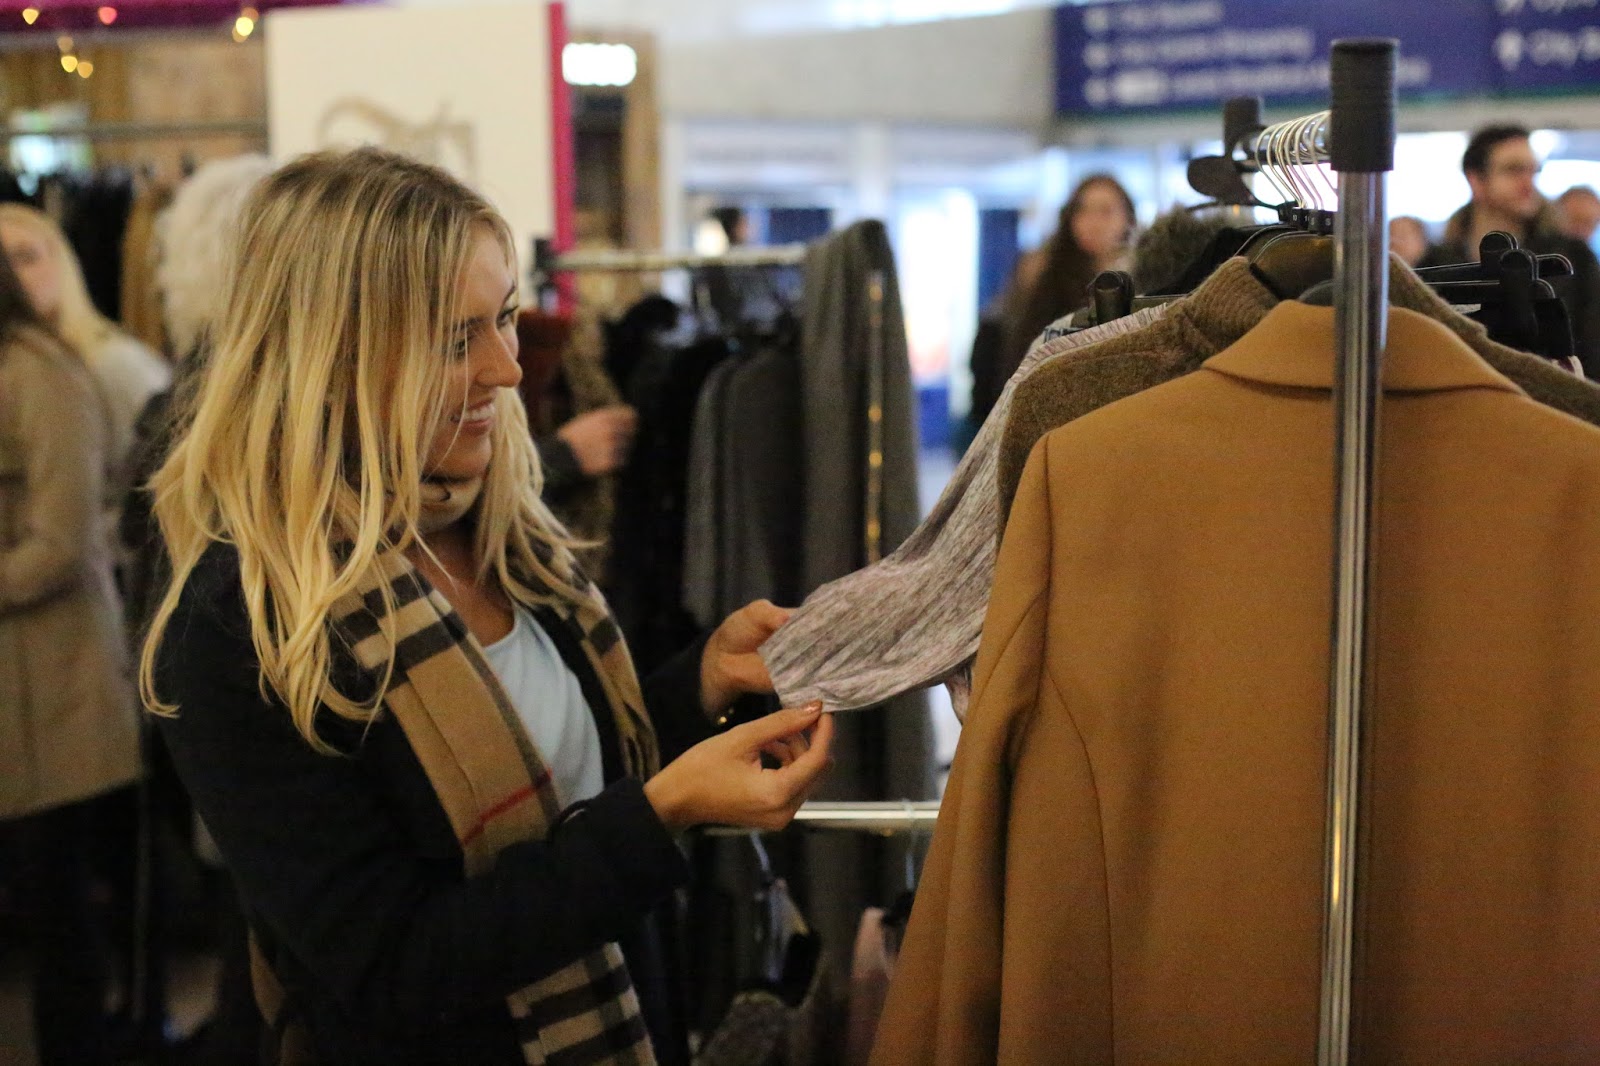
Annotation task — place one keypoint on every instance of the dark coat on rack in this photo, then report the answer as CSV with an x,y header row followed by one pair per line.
x,y
887,753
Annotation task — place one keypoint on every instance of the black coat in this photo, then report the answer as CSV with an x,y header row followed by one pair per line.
x,y
352,877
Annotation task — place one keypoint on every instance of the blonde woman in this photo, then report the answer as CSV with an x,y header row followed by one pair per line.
x,y
410,724
128,373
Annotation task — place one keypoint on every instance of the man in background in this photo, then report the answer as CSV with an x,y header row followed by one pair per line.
x,y
1578,211
1501,168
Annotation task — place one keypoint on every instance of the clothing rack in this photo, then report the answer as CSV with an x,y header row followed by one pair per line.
x,y
1357,137
547,261
889,818
126,131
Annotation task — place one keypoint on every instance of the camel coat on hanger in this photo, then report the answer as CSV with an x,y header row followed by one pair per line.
x,y
1129,863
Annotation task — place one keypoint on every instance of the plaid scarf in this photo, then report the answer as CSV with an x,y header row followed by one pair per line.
x,y
493,783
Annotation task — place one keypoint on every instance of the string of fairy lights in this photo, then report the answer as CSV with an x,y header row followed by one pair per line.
x,y
73,63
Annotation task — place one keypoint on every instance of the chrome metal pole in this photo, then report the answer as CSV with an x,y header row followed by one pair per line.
x,y
1361,275
1362,147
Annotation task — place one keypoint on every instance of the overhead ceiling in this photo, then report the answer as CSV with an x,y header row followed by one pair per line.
x,y
706,20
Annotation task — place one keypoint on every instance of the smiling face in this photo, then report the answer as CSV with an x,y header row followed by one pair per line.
x,y
480,361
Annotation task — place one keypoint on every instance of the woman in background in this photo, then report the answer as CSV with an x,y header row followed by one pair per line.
x,y
1094,233
128,372
68,732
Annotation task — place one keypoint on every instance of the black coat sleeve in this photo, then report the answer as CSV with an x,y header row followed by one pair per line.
x,y
336,855
562,471
672,696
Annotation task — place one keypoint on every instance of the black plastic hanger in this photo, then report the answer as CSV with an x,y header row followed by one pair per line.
x,y
1292,263
1111,294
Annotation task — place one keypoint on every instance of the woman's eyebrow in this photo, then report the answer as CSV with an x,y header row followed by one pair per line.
x,y
469,324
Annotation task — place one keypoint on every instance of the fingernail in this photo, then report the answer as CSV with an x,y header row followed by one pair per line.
x,y
812,709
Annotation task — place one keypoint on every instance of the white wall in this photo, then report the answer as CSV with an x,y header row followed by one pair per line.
x,y
994,71
421,81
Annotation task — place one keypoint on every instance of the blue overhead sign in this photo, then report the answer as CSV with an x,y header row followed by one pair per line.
x,y
1548,45
1161,55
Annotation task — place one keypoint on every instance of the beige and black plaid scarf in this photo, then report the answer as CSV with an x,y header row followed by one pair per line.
x,y
492,781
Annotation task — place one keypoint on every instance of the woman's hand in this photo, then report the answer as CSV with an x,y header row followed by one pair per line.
x,y
731,666
721,781
600,439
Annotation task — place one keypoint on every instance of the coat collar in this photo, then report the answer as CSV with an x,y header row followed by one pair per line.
x,y
1294,347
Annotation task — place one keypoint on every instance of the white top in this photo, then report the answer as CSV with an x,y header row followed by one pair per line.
x,y
551,704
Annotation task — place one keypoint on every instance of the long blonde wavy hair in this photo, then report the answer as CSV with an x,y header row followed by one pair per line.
x,y
77,321
307,438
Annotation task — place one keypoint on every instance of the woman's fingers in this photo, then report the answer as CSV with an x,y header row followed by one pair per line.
x,y
798,778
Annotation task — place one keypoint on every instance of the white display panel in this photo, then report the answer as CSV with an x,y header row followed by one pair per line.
x,y
466,87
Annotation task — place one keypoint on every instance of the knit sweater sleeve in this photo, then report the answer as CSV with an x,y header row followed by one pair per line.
x,y
347,862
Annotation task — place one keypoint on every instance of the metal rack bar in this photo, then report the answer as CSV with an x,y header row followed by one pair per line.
x,y
622,262
1362,143
888,817
124,131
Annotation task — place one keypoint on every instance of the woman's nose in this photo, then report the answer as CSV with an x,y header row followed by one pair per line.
x,y
500,367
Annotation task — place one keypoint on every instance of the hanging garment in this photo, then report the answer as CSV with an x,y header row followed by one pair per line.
x,y
742,541
645,583
703,511
913,619
887,754
1130,858
141,296
1066,390
94,219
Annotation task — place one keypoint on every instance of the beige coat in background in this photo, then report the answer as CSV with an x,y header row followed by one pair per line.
x,y
68,720
1129,862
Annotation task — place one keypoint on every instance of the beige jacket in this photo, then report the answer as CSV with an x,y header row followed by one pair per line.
x,y
68,722
1129,861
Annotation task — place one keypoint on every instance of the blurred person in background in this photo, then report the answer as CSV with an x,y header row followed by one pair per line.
x,y
127,371
1501,168
1094,232
1408,238
68,725
1578,212
125,374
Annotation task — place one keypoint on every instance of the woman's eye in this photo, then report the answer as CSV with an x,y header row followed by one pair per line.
x,y
508,316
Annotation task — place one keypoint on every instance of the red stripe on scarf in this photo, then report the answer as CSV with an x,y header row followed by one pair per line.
x,y
520,796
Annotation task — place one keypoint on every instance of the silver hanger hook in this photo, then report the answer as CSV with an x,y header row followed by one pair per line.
x,y
1267,162
1285,152
1319,141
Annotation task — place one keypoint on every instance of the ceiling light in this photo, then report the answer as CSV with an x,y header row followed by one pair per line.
x,y
69,63
85,69
108,15
30,15
599,64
